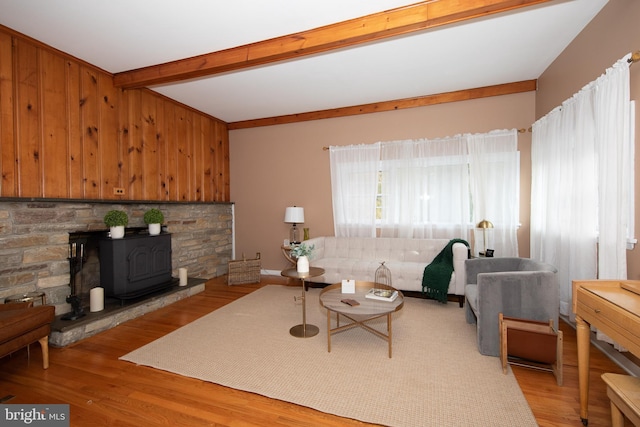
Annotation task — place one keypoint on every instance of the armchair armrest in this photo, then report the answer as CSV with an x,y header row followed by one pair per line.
x,y
460,255
476,266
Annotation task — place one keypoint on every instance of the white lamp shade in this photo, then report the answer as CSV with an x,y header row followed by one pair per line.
x,y
294,215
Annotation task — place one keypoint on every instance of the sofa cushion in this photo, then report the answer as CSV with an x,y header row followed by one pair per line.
x,y
349,268
383,249
471,296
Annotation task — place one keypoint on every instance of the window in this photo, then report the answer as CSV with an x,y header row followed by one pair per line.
x,y
434,188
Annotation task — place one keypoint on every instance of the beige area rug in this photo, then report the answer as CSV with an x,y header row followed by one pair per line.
x,y
435,378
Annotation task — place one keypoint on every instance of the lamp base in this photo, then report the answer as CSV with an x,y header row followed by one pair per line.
x,y
294,235
304,331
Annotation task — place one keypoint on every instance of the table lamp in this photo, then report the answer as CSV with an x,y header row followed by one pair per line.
x,y
294,215
484,225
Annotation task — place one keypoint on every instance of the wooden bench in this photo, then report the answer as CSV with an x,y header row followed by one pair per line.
x,y
624,393
21,325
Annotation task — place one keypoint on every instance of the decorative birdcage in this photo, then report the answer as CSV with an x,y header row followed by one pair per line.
x,y
383,277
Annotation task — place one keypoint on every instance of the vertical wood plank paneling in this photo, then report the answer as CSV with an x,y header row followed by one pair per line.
x,y
184,166
194,132
161,140
134,149
168,162
90,120
197,158
220,147
28,120
54,126
109,142
218,158
74,138
214,156
124,97
149,144
207,157
213,147
8,181
67,132
223,183
179,124
169,185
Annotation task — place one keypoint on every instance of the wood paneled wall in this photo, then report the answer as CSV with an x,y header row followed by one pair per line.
x,y
67,132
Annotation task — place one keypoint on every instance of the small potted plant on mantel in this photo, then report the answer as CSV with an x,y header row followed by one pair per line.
x,y
116,220
302,252
154,219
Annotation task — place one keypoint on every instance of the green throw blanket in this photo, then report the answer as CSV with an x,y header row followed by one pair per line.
x,y
437,275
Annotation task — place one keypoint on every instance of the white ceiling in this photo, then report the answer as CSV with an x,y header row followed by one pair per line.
x,y
121,35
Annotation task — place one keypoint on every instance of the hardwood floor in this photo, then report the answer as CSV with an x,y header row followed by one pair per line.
x,y
102,390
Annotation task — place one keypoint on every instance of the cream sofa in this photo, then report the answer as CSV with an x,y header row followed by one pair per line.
x,y
359,257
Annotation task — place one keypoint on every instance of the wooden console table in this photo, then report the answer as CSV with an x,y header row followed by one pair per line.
x,y
614,310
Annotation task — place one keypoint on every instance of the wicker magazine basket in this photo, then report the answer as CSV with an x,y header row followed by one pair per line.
x,y
244,271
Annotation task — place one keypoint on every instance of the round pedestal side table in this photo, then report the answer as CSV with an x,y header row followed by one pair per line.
x,y
303,330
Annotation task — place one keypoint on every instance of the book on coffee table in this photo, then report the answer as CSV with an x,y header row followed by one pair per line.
x,y
382,294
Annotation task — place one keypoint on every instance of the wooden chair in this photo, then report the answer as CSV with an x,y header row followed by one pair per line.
x,y
531,344
624,393
23,325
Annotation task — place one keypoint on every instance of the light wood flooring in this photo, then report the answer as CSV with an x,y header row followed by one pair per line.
x,y
102,390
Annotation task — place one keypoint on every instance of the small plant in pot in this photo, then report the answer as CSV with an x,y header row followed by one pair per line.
x,y
154,219
116,220
302,252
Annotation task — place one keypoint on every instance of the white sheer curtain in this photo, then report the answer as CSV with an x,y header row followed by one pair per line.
x,y
494,171
581,175
424,189
611,95
564,195
354,181
428,188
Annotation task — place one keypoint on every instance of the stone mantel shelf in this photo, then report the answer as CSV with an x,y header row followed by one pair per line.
x,y
110,201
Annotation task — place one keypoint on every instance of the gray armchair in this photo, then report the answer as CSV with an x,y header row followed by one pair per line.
x,y
517,287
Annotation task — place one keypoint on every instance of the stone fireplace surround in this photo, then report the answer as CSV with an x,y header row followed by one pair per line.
x,y
34,242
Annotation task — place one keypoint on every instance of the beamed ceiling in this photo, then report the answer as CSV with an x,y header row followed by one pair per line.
x,y
255,62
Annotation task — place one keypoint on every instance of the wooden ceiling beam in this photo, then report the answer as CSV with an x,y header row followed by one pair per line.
x,y
399,104
417,17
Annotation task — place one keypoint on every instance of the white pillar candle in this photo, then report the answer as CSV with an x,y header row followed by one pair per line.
x,y
96,299
182,273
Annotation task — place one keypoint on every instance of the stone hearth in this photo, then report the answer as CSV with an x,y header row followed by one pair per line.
x,y
35,237
65,332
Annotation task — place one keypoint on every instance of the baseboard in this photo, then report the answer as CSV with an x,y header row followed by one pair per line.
x,y
270,272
